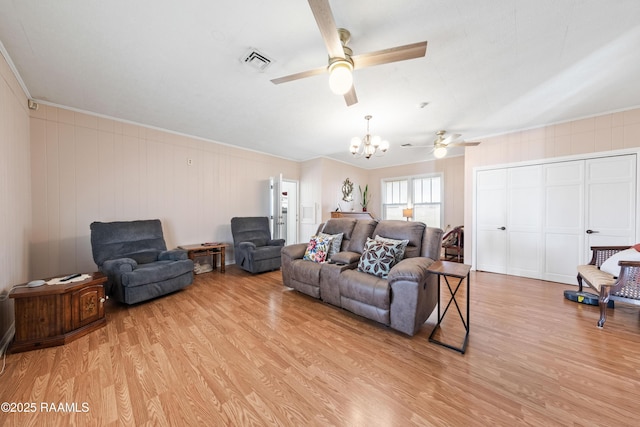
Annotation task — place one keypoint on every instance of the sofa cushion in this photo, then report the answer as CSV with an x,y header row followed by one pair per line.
x,y
378,257
340,225
306,272
413,231
365,288
336,243
363,230
317,249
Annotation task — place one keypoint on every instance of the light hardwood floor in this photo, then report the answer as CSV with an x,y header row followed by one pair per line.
x,y
241,349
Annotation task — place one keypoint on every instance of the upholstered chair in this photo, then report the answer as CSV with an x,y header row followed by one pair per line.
x,y
255,250
134,257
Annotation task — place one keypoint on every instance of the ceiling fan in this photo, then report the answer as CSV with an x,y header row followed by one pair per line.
x,y
342,62
442,143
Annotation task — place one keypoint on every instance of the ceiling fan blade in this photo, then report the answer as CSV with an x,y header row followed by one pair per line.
x,y
394,54
463,144
297,76
327,25
415,146
350,97
448,140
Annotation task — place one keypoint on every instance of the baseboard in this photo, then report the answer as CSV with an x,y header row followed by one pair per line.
x,y
6,339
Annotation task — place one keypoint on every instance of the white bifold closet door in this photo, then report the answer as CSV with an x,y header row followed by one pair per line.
x,y
540,221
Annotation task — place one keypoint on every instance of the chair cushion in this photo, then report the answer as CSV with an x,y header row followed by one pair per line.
x,y
156,272
266,252
143,257
595,277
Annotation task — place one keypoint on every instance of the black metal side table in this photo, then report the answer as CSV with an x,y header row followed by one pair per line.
x,y
458,271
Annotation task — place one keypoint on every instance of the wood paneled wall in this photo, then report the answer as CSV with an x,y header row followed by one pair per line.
x,y
15,189
87,168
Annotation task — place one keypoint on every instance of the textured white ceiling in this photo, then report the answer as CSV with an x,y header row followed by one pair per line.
x,y
491,67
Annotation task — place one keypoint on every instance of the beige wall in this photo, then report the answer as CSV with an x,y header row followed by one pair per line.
x,y
15,190
592,135
87,168
452,169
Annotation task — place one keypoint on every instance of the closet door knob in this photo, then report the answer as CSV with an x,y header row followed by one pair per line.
x,y
502,228
592,231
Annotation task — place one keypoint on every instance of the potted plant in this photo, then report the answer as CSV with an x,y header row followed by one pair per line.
x,y
364,197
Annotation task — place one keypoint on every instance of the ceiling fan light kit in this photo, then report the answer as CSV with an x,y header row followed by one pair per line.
x,y
369,145
341,61
340,76
440,152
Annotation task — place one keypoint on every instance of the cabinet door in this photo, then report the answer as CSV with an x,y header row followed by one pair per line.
x,y
87,305
491,220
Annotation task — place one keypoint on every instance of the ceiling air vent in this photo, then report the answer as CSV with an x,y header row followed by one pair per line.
x,y
256,60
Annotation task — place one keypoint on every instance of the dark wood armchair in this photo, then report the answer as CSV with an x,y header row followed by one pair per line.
x,y
624,288
453,244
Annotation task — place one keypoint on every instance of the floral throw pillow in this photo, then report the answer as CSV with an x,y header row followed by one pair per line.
x,y
336,242
378,257
317,249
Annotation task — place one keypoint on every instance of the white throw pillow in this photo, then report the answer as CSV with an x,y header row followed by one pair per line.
x,y
611,264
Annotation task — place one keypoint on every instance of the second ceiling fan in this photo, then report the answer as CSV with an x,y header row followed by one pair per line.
x,y
342,62
442,143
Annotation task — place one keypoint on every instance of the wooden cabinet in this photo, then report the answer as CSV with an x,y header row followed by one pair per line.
x,y
52,315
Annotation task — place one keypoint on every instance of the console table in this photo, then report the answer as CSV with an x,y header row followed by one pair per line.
x,y
446,270
207,249
357,215
51,315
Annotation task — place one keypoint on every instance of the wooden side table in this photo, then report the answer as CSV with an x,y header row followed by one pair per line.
x,y
51,315
458,271
207,249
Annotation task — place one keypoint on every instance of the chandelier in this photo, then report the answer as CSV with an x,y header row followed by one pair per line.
x,y
368,145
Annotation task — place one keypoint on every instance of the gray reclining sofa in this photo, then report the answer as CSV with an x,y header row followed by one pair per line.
x,y
403,300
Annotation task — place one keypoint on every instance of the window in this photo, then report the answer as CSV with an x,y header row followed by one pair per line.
x,y
423,193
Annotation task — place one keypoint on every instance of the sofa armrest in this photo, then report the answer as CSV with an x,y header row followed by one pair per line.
x,y
172,255
414,294
295,251
347,257
113,267
275,242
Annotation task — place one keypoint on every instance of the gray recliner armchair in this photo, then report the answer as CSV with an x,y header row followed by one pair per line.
x,y
134,257
255,250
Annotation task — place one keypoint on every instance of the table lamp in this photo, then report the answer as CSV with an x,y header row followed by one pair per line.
x,y
407,213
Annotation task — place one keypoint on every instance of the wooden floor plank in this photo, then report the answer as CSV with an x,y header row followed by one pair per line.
x,y
241,349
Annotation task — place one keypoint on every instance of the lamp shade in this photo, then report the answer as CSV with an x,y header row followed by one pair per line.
x,y
407,213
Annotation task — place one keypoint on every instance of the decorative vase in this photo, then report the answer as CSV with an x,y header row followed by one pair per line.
x,y
364,209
